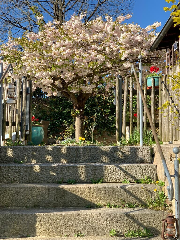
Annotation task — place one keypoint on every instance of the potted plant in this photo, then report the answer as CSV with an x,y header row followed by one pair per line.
x,y
37,134
154,75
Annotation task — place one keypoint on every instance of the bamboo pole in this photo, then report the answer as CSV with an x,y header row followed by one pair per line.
x,y
125,107
138,117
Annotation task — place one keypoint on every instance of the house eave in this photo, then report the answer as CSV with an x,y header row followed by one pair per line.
x,y
163,33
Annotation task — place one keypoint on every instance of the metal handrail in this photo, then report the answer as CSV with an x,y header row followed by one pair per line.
x,y
166,171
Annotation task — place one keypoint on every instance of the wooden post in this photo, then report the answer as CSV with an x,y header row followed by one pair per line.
x,y
166,62
18,82
1,104
125,107
172,57
27,110
4,120
163,110
131,106
30,111
160,110
10,121
153,101
4,109
145,97
166,115
169,61
171,120
118,108
23,112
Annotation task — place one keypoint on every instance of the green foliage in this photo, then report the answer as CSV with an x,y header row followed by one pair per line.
x,y
138,233
19,162
112,233
79,234
71,181
126,181
146,180
99,118
99,115
154,75
60,181
10,142
99,205
57,110
69,141
109,205
159,203
100,180
124,204
160,183
132,205
148,138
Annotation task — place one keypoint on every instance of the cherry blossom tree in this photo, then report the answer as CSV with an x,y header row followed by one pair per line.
x,y
76,59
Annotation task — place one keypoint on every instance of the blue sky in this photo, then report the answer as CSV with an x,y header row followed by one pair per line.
x,y
146,12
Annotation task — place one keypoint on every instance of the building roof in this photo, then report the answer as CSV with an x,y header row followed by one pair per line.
x,y
168,35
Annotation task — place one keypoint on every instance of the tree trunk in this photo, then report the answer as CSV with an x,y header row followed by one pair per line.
x,y
78,101
78,127
59,10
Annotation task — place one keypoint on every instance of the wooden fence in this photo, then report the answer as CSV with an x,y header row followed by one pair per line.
x,y
166,119
16,108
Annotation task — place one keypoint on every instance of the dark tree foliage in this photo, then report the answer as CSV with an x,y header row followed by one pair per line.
x,y
18,16
99,114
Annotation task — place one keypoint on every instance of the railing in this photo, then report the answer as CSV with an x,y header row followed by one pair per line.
x,y
170,188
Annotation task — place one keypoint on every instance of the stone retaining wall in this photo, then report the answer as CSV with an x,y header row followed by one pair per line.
x,y
169,157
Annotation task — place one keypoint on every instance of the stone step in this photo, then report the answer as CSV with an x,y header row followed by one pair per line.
x,y
72,221
81,173
85,238
76,195
75,154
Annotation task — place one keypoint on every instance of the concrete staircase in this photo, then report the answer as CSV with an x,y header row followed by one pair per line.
x,y
47,192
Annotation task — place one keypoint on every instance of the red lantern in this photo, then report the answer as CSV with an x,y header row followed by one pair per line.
x,y
170,228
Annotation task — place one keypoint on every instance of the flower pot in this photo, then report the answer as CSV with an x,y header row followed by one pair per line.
x,y
149,82
37,134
